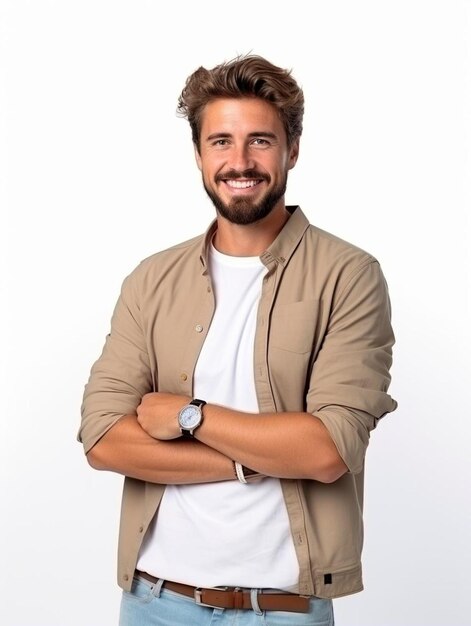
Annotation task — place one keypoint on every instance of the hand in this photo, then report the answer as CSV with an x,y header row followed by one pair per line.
x,y
158,414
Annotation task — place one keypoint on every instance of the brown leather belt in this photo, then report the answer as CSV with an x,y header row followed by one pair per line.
x,y
235,598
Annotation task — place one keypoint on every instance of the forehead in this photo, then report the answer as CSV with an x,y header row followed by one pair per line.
x,y
240,116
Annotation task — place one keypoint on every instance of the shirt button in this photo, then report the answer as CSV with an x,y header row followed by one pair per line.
x,y
126,577
184,376
141,528
199,328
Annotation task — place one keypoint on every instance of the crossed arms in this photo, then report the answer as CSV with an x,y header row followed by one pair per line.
x,y
149,447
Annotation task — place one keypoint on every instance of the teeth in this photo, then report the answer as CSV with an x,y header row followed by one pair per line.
x,y
242,184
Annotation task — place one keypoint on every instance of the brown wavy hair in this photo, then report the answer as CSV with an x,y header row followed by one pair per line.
x,y
249,75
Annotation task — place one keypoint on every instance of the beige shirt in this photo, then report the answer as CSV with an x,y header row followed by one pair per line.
x,y
323,345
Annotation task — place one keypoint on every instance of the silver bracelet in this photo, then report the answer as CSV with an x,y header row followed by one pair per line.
x,y
240,472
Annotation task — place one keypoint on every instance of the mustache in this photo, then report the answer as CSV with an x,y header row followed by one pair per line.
x,y
249,173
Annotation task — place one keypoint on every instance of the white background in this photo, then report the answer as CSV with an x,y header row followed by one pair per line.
x,y
97,173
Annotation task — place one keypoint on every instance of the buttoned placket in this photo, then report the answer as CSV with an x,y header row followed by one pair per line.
x,y
204,310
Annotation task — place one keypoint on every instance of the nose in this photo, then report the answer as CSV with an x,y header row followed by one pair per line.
x,y
240,158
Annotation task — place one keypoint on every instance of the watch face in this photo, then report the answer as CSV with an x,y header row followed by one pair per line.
x,y
190,416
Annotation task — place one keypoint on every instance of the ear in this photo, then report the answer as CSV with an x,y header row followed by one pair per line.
x,y
198,157
293,154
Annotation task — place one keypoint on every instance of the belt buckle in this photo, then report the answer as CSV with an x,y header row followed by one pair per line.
x,y
198,597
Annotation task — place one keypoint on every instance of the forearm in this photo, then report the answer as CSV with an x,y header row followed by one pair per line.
x,y
285,445
127,449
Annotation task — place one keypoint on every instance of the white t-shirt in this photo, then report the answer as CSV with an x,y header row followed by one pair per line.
x,y
225,533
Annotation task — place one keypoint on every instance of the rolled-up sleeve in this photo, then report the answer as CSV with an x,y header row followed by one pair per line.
x,y
121,375
351,374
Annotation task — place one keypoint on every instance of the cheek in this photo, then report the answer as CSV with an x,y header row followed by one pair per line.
x,y
275,165
212,167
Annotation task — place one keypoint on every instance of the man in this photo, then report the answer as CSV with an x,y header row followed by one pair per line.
x,y
238,386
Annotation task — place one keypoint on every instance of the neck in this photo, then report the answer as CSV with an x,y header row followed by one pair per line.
x,y
249,239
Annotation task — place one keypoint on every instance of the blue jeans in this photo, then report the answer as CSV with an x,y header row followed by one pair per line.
x,y
146,605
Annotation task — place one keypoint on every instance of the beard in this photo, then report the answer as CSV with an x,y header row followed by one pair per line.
x,y
242,210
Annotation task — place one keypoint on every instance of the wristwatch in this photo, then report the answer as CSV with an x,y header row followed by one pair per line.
x,y
190,417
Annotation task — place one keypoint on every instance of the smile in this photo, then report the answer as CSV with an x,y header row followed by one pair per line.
x,y
242,184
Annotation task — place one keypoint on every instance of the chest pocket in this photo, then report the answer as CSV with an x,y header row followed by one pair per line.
x,y
293,326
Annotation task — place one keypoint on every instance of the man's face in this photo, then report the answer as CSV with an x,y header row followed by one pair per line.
x,y
244,158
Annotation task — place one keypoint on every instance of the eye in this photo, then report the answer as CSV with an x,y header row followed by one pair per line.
x,y
220,142
259,141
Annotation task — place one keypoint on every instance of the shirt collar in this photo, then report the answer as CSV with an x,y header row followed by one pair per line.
x,y
280,250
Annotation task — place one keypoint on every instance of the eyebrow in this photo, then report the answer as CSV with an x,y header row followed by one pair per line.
x,y
263,134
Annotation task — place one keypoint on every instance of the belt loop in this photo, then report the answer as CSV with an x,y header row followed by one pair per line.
x,y
157,587
238,598
254,601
